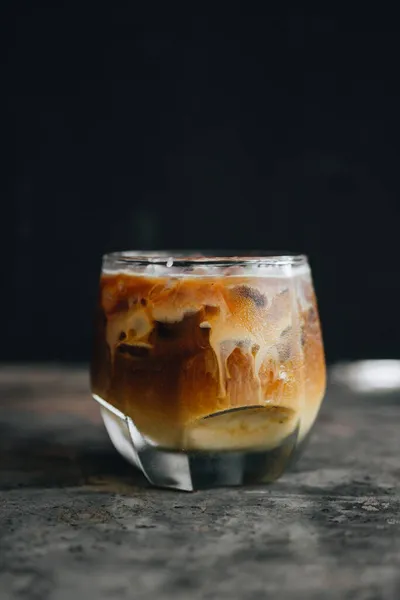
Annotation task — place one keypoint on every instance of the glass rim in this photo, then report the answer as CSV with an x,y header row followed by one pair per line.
x,y
181,258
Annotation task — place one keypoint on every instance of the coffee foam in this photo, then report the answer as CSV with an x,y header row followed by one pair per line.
x,y
169,269
254,272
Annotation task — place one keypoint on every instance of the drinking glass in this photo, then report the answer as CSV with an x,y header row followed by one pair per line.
x,y
208,370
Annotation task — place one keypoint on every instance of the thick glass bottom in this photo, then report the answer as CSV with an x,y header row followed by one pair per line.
x,y
199,469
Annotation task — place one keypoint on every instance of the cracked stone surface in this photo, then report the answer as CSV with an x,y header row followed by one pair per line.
x,y
76,521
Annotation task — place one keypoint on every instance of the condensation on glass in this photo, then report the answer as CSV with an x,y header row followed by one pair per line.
x,y
209,370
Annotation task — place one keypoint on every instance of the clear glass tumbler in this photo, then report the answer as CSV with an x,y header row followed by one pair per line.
x,y
208,370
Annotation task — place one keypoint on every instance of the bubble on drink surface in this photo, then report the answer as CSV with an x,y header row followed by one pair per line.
x,y
170,262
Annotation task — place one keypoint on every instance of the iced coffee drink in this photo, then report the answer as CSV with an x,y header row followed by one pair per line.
x,y
217,356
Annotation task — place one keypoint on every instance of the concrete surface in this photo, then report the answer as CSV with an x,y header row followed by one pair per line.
x,y
78,522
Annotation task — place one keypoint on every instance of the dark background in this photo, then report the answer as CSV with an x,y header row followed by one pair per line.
x,y
177,125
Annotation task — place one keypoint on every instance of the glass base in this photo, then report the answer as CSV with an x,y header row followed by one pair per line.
x,y
193,470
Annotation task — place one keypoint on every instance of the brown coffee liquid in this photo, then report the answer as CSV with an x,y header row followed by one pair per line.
x,y
210,363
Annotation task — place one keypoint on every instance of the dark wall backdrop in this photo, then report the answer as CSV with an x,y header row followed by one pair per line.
x,y
174,125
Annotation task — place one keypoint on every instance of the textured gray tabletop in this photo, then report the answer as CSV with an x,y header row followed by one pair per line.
x,y
76,521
